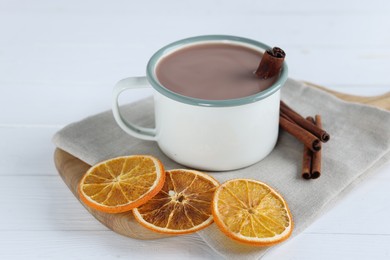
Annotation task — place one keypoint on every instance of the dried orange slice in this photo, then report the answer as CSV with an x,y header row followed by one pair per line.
x,y
121,184
251,212
182,206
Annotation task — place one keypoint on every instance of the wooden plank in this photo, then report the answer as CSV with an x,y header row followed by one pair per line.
x,y
349,66
297,30
27,151
107,245
380,101
201,7
334,246
41,203
357,65
362,211
78,101
62,244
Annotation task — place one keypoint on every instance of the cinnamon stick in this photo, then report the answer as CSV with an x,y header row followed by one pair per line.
x,y
287,117
307,159
271,63
316,159
309,140
312,128
306,163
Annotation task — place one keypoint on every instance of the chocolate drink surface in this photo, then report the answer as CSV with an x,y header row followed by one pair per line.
x,y
212,71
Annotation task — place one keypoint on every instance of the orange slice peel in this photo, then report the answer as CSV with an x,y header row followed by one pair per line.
x,y
251,212
121,184
182,206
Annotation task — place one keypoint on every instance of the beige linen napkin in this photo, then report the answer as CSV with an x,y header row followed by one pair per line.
x,y
360,143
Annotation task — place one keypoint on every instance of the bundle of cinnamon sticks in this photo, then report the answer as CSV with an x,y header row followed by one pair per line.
x,y
309,131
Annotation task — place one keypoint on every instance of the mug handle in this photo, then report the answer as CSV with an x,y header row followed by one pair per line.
x,y
132,129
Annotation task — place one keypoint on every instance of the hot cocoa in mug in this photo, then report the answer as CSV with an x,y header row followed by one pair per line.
x,y
212,71
212,112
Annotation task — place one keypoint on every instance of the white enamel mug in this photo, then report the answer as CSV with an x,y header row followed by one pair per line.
x,y
214,135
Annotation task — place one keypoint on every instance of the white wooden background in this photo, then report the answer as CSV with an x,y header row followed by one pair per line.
x,y
60,59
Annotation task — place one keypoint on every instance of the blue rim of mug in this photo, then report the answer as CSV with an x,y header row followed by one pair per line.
x,y
153,62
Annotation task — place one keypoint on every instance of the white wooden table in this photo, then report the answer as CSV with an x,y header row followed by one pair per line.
x,y
60,59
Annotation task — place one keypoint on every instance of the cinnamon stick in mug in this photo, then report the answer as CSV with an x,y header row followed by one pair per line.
x,y
271,63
